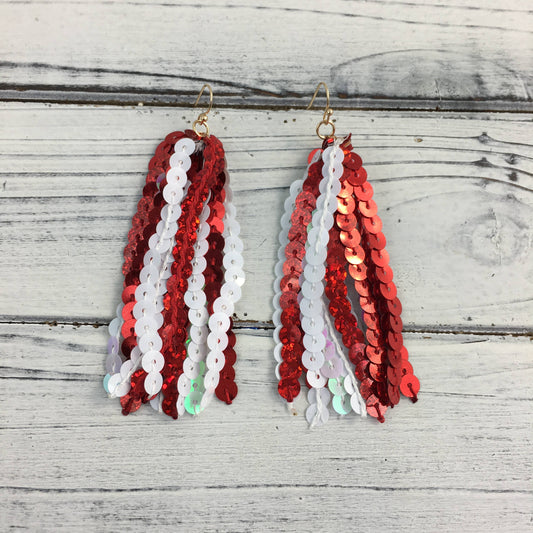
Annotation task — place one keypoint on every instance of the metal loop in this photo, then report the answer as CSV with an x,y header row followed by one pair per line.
x,y
325,123
201,123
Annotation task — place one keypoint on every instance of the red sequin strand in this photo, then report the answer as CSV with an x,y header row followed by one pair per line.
x,y
365,251
174,330
157,168
143,225
137,394
340,306
226,389
213,273
291,333
394,364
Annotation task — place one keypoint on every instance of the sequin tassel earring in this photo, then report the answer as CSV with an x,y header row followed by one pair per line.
x,y
331,231
171,343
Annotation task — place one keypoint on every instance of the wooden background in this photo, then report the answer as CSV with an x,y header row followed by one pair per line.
x,y
438,96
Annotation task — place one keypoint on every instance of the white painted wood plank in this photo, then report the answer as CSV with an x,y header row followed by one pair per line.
x,y
455,195
459,459
391,54
274,508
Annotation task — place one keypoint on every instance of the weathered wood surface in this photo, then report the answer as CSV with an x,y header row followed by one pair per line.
x,y
388,54
455,193
458,460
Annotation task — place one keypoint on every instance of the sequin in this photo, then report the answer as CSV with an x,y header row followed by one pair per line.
x,y
228,372
290,370
346,222
292,352
394,394
394,306
297,232
357,353
346,190
290,333
128,328
351,238
368,208
353,161
305,201
372,336
128,344
127,310
292,267
410,386
295,249
377,372
128,294
226,391
358,272
362,287
406,367
355,255
358,177
375,409
371,320
394,375
376,240
289,389
361,371
290,314
373,224
395,340
301,216
384,274
366,388
339,306
380,257
395,358
375,354
289,283
287,299
346,206
363,192
341,404
388,290
367,305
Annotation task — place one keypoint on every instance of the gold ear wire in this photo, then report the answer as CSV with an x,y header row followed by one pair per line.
x,y
202,117
326,118
321,84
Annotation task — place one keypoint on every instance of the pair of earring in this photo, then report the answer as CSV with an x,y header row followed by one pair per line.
x,y
172,343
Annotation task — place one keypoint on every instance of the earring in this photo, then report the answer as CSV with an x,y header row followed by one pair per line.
x,y
171,343
330,229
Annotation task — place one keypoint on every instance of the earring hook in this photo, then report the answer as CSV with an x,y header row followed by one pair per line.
x,y
326,118
321,84
201,121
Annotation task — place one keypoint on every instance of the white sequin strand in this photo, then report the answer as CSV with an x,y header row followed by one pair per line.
x,y
230,292
149,294
311,306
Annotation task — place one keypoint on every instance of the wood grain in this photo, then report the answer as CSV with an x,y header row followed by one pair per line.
x,y
455,192
458,459
455,195
387,54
